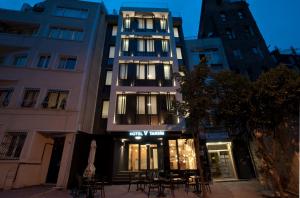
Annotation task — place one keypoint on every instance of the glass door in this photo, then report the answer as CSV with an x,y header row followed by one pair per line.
x,y
133,158
153,160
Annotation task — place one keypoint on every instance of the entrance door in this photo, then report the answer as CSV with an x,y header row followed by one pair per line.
x,y
55,160
221,164
142,157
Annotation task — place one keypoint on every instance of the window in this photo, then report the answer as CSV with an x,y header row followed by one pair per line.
x,y
141,24
108,78
163,23
169,101
141,105
178,53
230,34
43,61
114,30
111,52
167,72
223,16
105,108
56,99
127,22
121,104
123,71
20,60
152,105
149,23
257,51
241,15
182,153
176,32
67,63
150,45
165,45
12,144
5,95
141,45
148,69
140,72
249,31
151,75
30,97
71,12
66,34
237,54
125,45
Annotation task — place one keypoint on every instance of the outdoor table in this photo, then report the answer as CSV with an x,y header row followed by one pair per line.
x,y
196,178
89,185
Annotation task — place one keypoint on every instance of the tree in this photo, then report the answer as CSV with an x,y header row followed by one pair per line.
x,y
197,101
259,108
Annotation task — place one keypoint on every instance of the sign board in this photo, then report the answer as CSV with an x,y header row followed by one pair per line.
x,y
146,133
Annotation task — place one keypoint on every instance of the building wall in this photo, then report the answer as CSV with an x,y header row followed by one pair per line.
x,y
42,125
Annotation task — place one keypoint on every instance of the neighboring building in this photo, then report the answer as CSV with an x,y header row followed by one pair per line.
x,y
210,48
289,57
144,47
49,72
233,23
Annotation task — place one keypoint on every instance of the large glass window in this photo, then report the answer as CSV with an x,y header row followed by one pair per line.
x,y
163,23
123,71
125,46
105,108
127,22
65,33
165,45
114,30
140,72
121,104
152,105
5,95
111,52
141,105
167,72
141,45
151,72
178,53
182,154
150,45
30,97
141,23
12,144
56,99
176,32
108,78
149,24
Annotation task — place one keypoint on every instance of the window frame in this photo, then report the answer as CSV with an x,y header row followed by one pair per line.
x,y
12,149
108,78
57,103
65,60
7,97
45,63
24,62
33,99
104,114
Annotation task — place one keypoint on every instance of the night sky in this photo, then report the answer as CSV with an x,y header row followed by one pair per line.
x,y
278,20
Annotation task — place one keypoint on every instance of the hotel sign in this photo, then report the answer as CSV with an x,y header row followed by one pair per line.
x,y
146,133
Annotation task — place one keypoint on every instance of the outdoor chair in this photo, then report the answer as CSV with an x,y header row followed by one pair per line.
x,y
153,185
134,178
79,189
168,184
99,186
189,182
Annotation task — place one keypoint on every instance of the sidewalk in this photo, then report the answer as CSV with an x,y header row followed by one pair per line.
x,y
238,189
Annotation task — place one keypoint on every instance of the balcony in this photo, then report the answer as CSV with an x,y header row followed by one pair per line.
x,y
163,118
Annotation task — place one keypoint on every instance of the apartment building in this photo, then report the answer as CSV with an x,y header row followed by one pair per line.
x,y
50,57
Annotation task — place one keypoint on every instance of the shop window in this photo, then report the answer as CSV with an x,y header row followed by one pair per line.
x,y
30,97
105,108
5,95
11,145
182,154
56,100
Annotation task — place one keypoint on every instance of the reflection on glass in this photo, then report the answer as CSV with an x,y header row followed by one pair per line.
x,y
133,161
173,155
